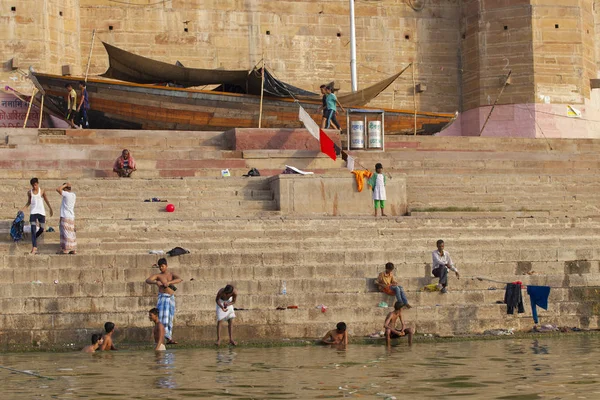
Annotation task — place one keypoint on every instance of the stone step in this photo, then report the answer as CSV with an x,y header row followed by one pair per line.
x,y
204,304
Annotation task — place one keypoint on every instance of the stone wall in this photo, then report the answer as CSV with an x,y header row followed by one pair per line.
x,y
302,45
461,49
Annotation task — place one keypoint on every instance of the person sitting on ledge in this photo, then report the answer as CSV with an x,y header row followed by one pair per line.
x,y
441,264
387,284
124,165
96,342
336,336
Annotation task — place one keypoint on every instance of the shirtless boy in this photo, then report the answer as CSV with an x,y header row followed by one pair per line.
x,y
336,336
158,332
225,300
96,342
165,281
390,325
108,344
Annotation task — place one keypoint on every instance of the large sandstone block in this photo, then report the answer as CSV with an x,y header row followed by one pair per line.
x,y
325,195
285,139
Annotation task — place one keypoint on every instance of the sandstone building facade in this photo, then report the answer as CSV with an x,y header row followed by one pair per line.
x,y
462,50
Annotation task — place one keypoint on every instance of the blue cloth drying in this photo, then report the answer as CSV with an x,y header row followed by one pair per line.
x,y
539,297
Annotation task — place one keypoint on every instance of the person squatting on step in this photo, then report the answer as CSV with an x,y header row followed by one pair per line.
x,y
37,214
387,284
125,165
390,325
225,300
165,281
440,265
68,238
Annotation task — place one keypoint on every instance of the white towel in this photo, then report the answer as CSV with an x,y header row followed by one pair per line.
x,y
225,315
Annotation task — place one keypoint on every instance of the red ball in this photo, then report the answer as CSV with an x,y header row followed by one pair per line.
x,y
170,208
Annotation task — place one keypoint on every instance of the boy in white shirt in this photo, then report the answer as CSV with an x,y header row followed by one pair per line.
x,y
377,183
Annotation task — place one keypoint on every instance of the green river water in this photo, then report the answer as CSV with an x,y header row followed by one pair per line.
x,y
545,368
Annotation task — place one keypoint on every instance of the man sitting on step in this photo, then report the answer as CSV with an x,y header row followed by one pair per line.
x,y
441,264
124,165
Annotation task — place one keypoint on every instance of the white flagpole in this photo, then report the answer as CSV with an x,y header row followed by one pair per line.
x,y
353,49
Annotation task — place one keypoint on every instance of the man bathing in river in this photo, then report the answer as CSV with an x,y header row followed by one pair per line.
x,y
166,297
336,336
96,342
225,299
390,325
158,331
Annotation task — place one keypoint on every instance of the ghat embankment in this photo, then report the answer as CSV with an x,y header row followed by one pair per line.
x,y
508,209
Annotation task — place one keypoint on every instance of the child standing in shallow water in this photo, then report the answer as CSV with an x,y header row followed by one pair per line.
x,y
377,183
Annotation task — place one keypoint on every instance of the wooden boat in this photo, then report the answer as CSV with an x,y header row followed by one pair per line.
x,y
129,105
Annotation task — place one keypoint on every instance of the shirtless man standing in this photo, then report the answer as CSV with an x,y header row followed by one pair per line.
x,y
166,297
225,300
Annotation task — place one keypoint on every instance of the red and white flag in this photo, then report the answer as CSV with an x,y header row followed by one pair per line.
x,y
327,145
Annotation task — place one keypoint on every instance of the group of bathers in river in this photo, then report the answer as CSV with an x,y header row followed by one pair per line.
x,y
162,315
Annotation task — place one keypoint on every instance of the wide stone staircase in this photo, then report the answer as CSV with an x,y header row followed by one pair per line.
x,y
236,235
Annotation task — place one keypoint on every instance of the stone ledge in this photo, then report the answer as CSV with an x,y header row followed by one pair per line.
x,y
332,195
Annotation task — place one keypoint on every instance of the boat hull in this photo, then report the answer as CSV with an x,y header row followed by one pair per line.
x,y
121,105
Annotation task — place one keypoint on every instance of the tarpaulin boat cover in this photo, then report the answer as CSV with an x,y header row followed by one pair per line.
x,y
129,67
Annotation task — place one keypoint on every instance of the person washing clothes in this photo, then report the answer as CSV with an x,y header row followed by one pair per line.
x,y
377,183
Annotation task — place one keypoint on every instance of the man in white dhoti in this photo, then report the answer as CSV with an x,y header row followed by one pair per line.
x,y
225,299
68,238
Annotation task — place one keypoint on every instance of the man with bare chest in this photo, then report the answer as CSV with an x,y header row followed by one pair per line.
x,y
165,281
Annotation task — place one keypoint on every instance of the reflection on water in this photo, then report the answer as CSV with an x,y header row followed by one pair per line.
x,y
525,369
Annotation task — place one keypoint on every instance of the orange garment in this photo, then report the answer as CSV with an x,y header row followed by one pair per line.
x,y
386,281
360,178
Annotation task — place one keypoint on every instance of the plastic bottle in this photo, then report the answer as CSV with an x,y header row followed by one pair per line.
x,y
283,288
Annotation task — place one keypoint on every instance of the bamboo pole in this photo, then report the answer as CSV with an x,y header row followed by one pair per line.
x,y
495,102
41,112
30,103
414,99
87,70
262,89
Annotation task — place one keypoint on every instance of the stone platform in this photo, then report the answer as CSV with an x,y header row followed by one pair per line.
x,y
508,210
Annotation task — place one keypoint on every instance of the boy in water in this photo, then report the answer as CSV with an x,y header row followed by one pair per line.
x,y
96,342
377,183
159,330
225,299
388,285
109,328
336,336
390,325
